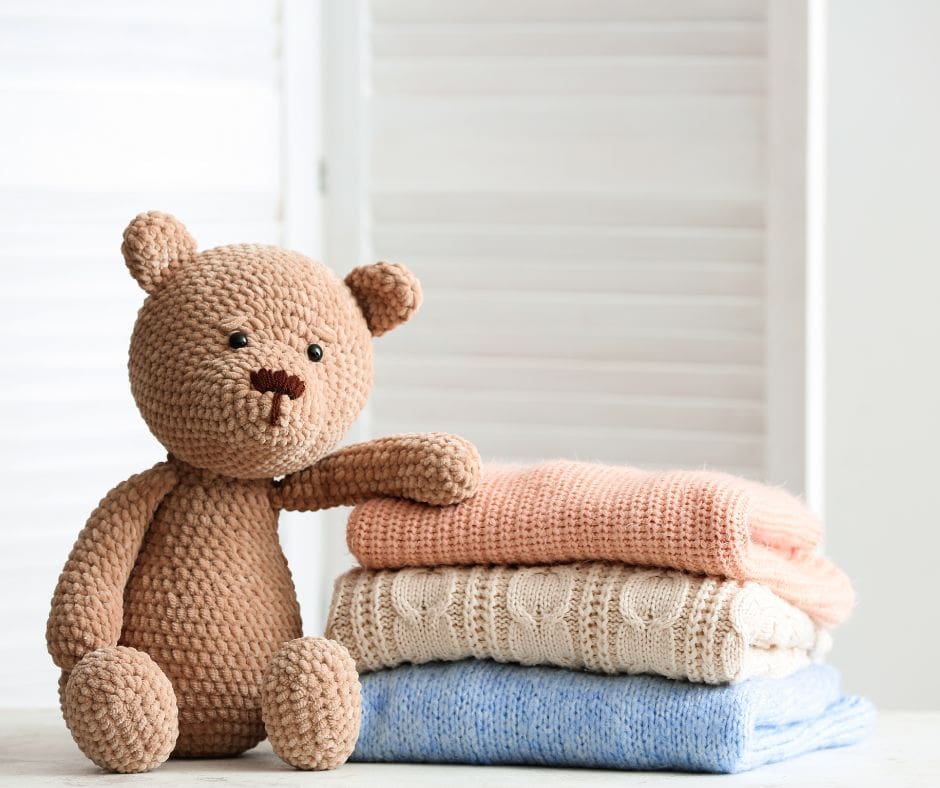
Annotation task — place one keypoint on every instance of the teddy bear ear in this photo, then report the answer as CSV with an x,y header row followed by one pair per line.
x,y
154,244
388,294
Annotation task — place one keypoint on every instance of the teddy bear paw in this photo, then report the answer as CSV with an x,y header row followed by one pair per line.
x,y
310,703
448,469
121,710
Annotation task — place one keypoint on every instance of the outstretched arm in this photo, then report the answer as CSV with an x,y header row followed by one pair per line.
x,y
88,604
434,468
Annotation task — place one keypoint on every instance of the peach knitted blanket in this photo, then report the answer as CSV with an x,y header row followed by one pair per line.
x,y
602,617
560,512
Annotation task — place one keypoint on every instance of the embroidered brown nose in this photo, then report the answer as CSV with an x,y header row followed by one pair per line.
x,y
265,380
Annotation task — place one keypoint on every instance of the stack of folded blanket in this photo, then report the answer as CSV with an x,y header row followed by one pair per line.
x,y
571,614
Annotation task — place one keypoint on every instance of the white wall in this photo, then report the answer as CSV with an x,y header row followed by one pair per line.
x,y
883,341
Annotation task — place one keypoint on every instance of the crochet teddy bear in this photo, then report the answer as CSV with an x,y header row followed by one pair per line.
x,y
175,621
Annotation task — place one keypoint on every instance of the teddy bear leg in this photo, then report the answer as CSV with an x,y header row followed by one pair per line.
x,y
121,710
310,703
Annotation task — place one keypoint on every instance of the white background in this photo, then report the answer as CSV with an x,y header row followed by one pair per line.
x,y
883,341
213,111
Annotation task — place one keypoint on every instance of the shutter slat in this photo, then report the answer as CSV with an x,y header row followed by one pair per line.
x,y
490,11
568,39
586,409
473,371
400,241
582,75
618,208
627,277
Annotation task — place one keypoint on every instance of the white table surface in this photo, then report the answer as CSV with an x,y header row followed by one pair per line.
x,y
36,750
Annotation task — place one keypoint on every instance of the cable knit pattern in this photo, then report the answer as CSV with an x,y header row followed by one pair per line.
x,y
559,512
247,362
483,712
602,617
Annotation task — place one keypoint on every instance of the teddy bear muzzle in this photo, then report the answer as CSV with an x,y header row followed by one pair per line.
x,y
281,383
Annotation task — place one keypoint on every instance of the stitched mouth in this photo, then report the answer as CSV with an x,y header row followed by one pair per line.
x,y
278,382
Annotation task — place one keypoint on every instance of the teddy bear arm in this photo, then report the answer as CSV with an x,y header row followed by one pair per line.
x,y
435,468
87,605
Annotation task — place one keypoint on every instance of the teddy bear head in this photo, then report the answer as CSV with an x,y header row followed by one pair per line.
x,y
252,361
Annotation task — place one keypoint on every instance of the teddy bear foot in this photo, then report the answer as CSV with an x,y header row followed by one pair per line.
x,y
121,710
310,703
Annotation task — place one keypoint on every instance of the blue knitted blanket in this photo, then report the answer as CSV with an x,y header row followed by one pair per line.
x,y
483,712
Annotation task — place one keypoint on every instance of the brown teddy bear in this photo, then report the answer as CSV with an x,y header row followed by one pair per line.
x,y
175,621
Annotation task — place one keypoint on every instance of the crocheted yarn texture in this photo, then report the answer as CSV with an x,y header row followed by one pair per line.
x,y
603,617
175,621
507,714
561,512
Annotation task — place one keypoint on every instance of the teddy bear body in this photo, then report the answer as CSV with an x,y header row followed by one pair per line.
x,y
211,600
175,621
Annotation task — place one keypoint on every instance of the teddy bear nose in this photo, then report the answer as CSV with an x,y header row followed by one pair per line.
x,y
279,382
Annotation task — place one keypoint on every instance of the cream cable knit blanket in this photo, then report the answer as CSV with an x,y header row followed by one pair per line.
x,y
604,617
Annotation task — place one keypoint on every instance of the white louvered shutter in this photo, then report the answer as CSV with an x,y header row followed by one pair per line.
x,y
110,108
605,205
584,189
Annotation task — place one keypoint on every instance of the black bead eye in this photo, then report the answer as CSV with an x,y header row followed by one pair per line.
x,y
237,339
314,352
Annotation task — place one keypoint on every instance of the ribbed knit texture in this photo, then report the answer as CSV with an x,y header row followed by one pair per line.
x,y
560,512
604,617
482,712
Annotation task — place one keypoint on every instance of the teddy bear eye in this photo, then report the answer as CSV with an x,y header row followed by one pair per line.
x,y
237,339
314,352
